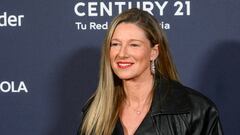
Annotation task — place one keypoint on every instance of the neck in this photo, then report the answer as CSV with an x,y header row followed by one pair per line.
x,y
138,91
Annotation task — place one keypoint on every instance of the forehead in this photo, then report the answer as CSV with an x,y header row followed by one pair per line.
x,y
125,31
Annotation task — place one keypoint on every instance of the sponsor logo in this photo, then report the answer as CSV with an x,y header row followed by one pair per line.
x,y
7,20
13,87
102,9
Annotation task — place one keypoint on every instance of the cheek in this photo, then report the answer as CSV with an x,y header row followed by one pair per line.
x,y
112,55
144,56
145,62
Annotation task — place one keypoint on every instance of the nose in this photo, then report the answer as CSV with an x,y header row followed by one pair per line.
x,y
123,52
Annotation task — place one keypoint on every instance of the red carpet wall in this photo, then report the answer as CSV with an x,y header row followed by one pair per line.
x,y
49,57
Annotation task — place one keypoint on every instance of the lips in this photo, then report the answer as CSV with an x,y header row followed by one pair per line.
x,y
124,65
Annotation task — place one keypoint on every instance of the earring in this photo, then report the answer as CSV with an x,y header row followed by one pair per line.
x,y
153,67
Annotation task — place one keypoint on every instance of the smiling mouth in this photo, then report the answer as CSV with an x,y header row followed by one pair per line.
x,y
124,65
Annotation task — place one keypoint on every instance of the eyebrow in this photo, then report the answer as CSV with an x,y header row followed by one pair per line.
x,y
129,40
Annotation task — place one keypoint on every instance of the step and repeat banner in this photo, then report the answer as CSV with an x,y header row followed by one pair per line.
x,y
50,51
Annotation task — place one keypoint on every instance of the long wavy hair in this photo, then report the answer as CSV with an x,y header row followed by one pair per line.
x,y
103,112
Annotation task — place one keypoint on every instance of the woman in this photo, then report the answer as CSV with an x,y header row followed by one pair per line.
x,y
138,91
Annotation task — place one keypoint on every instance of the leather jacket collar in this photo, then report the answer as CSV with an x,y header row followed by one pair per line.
x,y
165,101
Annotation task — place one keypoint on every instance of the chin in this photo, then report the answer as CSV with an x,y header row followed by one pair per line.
x,y
125,76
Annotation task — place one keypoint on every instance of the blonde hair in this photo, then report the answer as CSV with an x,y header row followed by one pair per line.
x,y
102,114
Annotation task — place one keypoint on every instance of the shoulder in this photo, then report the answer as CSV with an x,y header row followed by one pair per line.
x,y
179,98
197,100
174,97
83,113
203,114
196,111
87,104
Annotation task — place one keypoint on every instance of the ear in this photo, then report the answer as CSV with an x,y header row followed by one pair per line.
x,y
154,52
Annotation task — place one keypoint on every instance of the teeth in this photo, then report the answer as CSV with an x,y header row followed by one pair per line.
x,y
124,64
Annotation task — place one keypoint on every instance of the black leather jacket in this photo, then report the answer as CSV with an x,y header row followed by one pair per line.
x,y
177,110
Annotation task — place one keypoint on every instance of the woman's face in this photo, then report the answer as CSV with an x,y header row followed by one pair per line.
x,y
131,52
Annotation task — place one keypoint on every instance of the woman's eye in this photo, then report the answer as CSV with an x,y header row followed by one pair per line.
x,y
114,44
134,45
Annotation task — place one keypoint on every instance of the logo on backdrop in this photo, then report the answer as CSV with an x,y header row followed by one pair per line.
x,y
95,9
9,20
13,87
